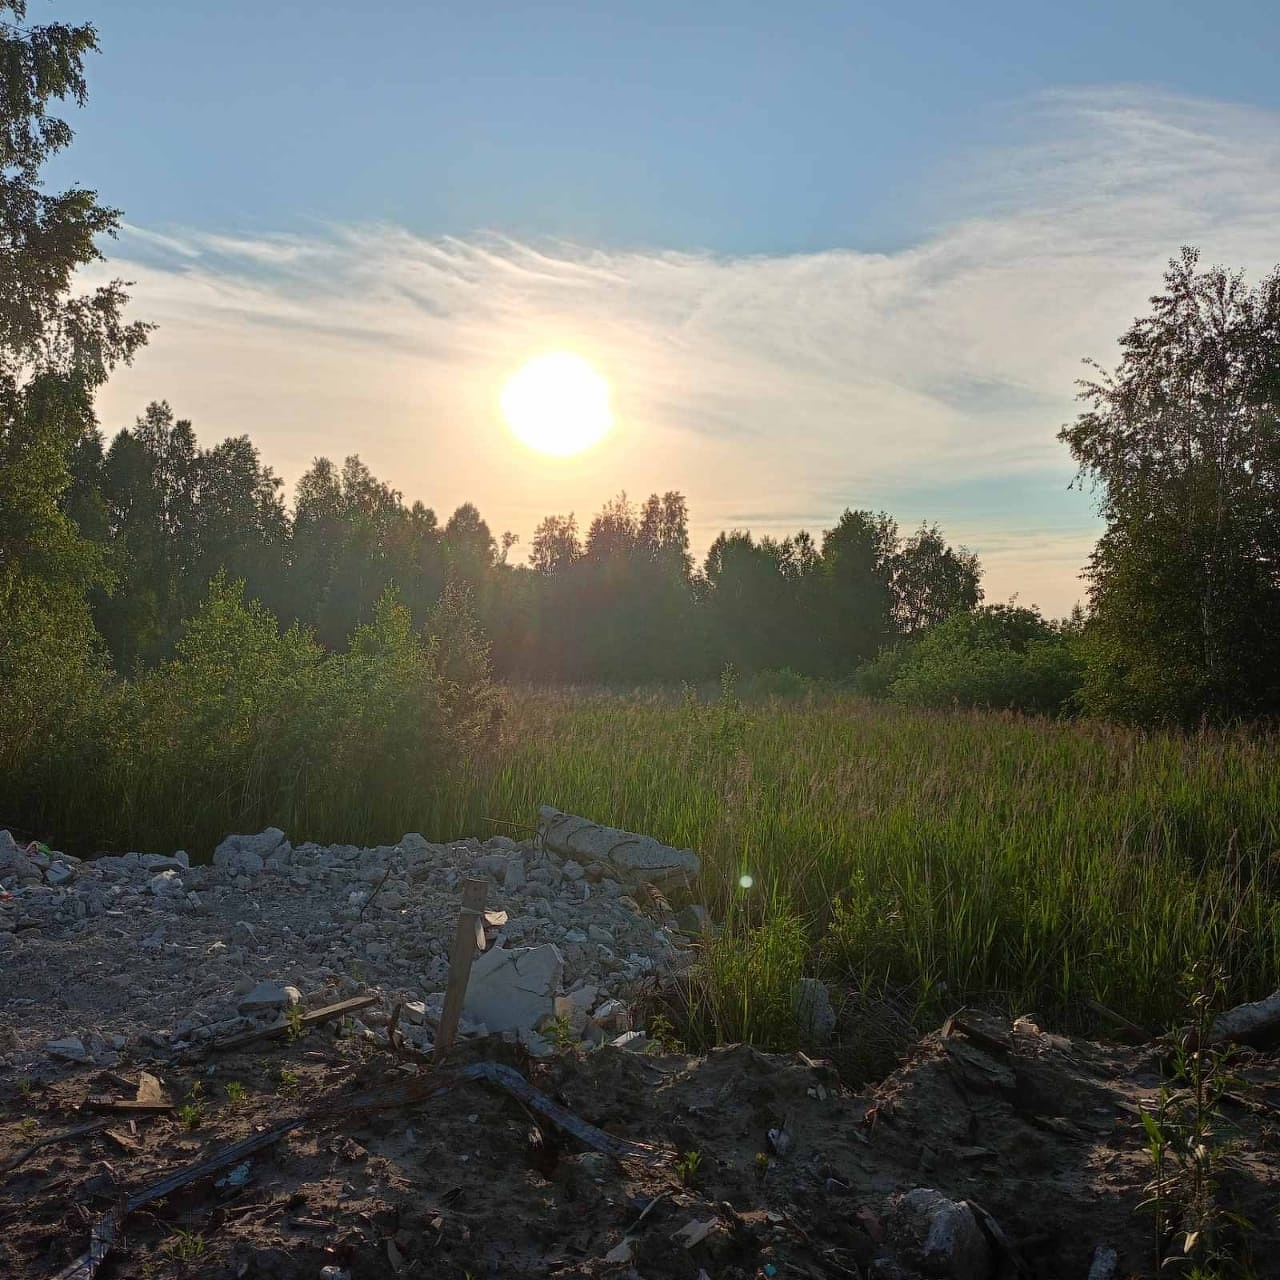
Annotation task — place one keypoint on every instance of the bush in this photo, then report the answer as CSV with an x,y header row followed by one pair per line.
x,y
249,726
998,657
53,687
777,683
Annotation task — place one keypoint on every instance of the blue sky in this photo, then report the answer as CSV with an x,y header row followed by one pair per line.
x,y
879,237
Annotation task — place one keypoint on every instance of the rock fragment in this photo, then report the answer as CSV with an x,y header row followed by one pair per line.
x,y
269,995
938,1236
635,857
514,989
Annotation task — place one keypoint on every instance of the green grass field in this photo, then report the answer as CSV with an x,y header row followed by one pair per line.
x,y
956,857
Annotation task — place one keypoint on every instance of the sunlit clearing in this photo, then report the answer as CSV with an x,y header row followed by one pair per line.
x,y
745,881
557,404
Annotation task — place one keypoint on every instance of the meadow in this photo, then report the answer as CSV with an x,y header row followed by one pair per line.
x,y
948,856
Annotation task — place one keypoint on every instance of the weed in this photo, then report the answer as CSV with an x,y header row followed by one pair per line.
x,y
192,1112
293,1018
561,1033
1185,1139
236,1092
662,1035
289,1085
186,1246
687,1167
762,1163
28,1128
26,1086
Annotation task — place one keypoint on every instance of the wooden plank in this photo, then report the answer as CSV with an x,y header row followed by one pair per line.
x,y
474,893
312,1019
150,1106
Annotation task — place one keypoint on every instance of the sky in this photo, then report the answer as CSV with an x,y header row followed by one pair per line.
x,y
827,255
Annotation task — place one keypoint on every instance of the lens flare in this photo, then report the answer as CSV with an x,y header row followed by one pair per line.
x,y
745,881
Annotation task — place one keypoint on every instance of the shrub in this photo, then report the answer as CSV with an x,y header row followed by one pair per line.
x,y
248,726
999,657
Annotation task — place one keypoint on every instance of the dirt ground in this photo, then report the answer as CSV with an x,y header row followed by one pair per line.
x,y
766,1161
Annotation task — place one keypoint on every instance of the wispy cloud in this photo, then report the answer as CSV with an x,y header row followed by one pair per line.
x,y
760,384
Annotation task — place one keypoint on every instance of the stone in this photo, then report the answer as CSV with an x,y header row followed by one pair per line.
x,y
694,919
59,873
415,1011
165,882
247,855
597,933
513,874
69,1049
633,1041
154,862
513,989
815,1017
939,1237
575,1007
268,995
612,1015
636,857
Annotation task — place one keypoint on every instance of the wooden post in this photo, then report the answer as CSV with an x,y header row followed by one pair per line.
x,y
474,893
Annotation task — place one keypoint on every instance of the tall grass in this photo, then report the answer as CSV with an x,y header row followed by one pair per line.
x,y
962,856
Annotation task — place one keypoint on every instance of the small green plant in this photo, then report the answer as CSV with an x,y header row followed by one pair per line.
x,y
236,1092
687,1167
1188,1149
186,1246
561,1033
192,1112
293,1018
26,1086
762,1163
289,1085
356,972
662,1035
28,1127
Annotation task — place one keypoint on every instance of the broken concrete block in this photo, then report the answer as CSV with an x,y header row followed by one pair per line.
x,y
575,1008
1257,1023
246,855
269,995
69,1049
939,1236
165,882
636,857
514,989
59,873
694,918
634,1041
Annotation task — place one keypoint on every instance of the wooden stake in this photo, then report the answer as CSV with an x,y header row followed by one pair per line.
x,y
474,893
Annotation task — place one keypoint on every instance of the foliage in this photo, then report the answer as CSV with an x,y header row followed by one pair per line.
x,y
1186,1138
247,723
1182,444
999,656
56,347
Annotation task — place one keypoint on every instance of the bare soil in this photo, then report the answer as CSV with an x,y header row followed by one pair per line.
x,y
1042,1136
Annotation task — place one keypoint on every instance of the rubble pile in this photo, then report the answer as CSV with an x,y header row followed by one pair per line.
x,y
152,951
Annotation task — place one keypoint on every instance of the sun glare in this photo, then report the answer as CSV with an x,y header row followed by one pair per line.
x,y
557,404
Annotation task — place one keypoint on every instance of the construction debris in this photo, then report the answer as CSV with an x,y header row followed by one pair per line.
x,y
1257,1024
634,857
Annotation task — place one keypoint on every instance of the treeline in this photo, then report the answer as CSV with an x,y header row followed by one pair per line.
x,y
622,600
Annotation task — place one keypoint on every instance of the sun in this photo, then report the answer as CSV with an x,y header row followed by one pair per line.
x,y
557,404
